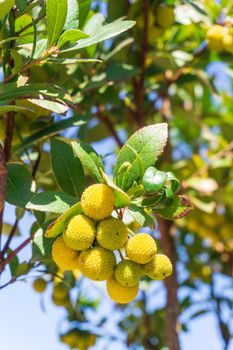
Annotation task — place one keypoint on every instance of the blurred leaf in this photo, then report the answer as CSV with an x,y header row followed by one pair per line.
x,y
5,7
21,4
10,108
67,168
20,185
53,202
56,12
22,269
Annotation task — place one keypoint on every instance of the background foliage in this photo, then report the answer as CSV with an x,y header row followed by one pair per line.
x,y
81,71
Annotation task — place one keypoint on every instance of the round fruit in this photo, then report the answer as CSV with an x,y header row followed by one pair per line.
x,y
80,233
141,248
159,268
119,293
63,256
128,273
97,263
165,16
39,285
215,36
97,201
112,234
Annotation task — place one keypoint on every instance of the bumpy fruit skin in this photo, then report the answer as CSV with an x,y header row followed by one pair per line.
x,y
63,256
215,36
119,293
159,268
112,234
80,233
128,273
39,285
97,202
141,248
97,263
165,16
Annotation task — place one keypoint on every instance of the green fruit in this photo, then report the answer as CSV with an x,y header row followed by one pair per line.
x,y
112,234
39,285
128,273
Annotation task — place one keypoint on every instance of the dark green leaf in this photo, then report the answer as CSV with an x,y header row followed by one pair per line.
x,y
20,185
53,202
41,246
67,168
9,108
21,4
89,159
139,215
179,207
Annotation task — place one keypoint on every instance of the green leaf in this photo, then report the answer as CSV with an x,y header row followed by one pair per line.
x,y
153,179
141,151
51,201
139,214
121,198
9,108
58,226
48,131
41,46
56,11
21,4
22,269
41,246
20,185
72,15
71,36
5,7
105,32
52,106
72,60
84,8
89,159
67,168
179,207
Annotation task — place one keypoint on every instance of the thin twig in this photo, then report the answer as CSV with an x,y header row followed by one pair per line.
x,y
11,235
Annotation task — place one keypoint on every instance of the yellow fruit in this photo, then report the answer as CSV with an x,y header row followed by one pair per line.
x,y
97,263
97,201
141,248
60,291
165,16
39,285
119,293
128,273
80,233
214,36
63,256
112,234
159,268
228,42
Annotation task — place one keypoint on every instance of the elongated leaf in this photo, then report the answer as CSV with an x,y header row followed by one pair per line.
x,y
48,131
52,106
105,32
72,60
140,151
72,15
20,185
179,207
9,108
59,225
140,216
67,168
71,36
89,159
53,202
5,7
56,11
